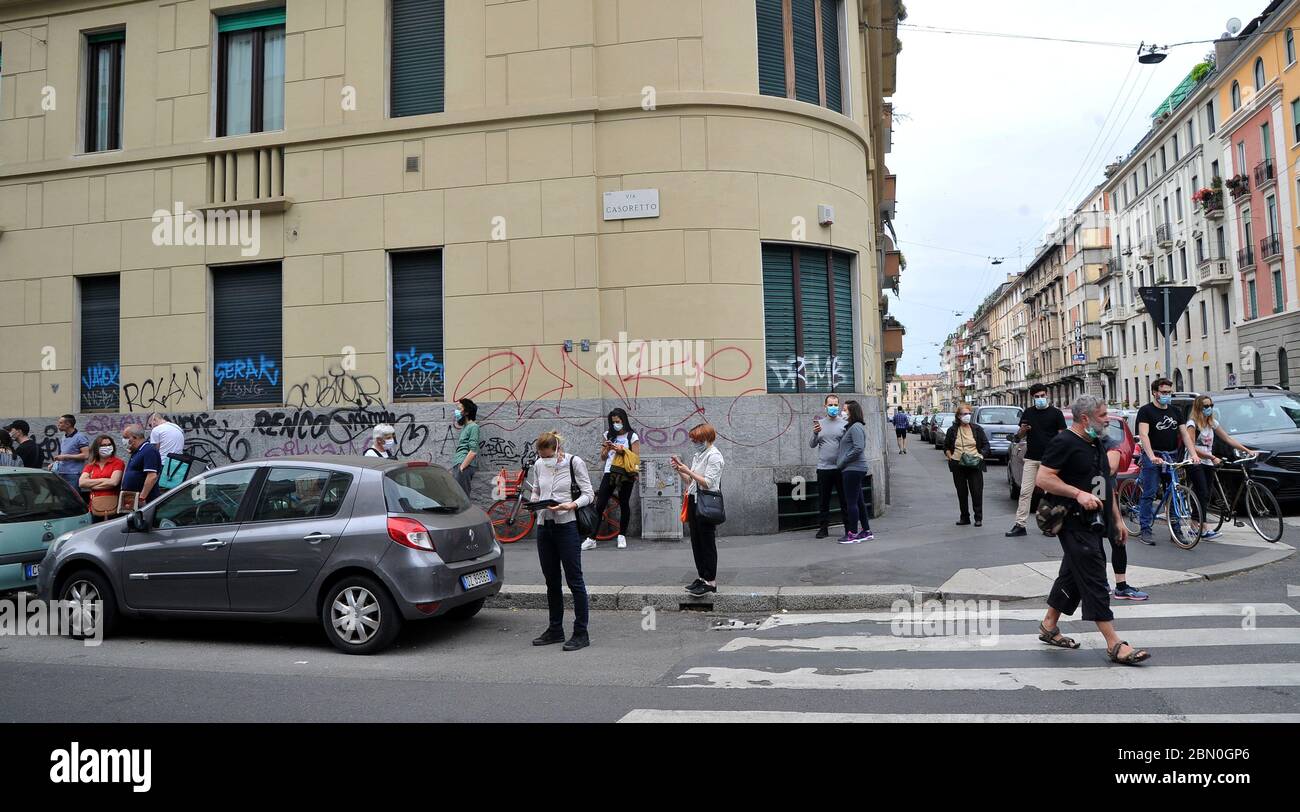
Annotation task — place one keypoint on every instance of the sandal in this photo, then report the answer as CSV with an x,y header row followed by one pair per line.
x,y
1135,655
1053,637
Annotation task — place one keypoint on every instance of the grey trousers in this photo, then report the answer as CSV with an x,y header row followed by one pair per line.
x,y
464,478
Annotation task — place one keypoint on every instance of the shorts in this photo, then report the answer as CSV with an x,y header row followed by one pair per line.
x,y
900,432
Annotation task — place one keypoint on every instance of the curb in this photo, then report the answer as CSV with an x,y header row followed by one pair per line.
x,y
1262,558
727,599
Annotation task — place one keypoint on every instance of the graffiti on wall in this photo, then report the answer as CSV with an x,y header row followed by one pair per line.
x,y
164,392
815,372
417,374
336,388
245,380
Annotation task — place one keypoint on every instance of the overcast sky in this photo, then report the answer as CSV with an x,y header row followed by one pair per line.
x,y
995,130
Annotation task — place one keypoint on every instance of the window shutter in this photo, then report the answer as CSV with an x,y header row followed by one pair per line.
x,y
771,48
246,335
845,349
417,60
261,18
816,306
807,85
831,47
779,317
417,324
100,310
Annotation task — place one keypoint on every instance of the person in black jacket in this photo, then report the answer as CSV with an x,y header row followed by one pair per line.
x,y
967,446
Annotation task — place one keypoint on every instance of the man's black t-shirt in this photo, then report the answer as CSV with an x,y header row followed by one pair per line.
x,y
1078,462
1044,425
1164,426
29,452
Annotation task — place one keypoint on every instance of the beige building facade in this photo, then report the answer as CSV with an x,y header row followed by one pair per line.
x,y
580,179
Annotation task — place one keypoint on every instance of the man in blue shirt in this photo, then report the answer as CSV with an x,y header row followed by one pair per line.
x,y
141,475
901,423
74,449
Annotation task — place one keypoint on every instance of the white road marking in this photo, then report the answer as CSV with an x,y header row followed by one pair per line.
x,y
1108,677
1136,611
1164,638
646,715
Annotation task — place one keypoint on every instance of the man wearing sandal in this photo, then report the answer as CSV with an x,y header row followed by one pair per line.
x,y
1073,472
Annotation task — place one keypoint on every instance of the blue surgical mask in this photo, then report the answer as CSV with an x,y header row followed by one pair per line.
x,y
458,415
618,427
1040,403
1165,400
699,447
833,411
1209,411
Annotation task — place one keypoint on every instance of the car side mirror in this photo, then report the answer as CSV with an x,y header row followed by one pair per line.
x,y
137,522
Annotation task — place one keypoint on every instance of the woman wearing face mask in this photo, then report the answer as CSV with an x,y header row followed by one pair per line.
x,y
618,435
465,463
851,460
102,477
1199,434
966,447
384,443
705,471
552,478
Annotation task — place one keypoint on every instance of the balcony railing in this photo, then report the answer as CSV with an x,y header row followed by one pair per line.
x,y
1245,258
1165,234
1265,174
1270,247
1113,266
249,176
1214,272
1147,247
1108,363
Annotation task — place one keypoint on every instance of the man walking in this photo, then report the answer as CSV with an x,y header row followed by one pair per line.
x,y
1073,474
1039,424
1160,431
142,470
826,435
25,448
901,423
74,450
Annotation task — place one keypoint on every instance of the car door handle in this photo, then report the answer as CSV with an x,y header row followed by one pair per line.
x,y
214,544
316,538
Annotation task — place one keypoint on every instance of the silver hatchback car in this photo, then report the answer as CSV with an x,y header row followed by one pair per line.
x,y
359,544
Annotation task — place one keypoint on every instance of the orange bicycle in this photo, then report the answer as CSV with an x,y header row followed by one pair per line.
x,y
511,521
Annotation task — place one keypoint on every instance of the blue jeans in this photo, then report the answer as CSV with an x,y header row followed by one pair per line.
x,y
1149,481
558,546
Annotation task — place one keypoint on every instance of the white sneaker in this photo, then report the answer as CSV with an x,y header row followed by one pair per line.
x,y
622,542
589,544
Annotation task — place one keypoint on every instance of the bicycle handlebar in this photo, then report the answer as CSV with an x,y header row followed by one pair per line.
x,y
1243,459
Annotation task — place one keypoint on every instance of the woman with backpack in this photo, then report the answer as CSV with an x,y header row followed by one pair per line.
x,y
621,450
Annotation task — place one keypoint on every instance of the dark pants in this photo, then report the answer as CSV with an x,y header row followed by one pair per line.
x,y
1082,577
1199,475
704,544
558,545
624,499
464,478
828,480
856,512
1119,557
970,490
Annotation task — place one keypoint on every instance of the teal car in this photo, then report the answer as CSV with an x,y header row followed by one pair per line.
x,y
36,507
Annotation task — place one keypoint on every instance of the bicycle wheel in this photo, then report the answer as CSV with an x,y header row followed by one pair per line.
x,y
1264,511
1129,493
608,521
506,529
1182,512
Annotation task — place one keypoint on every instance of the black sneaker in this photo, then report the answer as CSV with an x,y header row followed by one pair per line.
x,y
1147,539
821,534
962,522
1016,530
576,642
701,589
694,584
548,637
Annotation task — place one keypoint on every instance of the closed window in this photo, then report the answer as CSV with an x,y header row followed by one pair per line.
x,y
300,493
1277,292
808,315
799,51
1259,74
105,54
1290,47
246,335
417,324
1205,321
418,59
250,72
1295,119
1252,301
100,354
1236,98
1212,125
213,499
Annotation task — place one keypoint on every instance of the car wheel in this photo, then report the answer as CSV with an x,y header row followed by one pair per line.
x,y
359,616
93,609
466,610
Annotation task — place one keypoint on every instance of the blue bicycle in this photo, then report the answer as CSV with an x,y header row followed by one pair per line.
x,y
1174,500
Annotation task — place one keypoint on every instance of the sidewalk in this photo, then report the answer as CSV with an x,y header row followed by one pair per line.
x,y
918,551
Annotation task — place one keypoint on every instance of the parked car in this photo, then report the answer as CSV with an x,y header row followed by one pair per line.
x,y
1118,431
939,428
933,426
925,428
358,544
914,425
36,507
1267,419
1000,423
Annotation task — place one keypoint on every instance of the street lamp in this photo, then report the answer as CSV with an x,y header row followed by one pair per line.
x,y
1151,54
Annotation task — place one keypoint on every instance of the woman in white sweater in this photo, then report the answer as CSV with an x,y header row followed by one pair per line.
x,y
705,471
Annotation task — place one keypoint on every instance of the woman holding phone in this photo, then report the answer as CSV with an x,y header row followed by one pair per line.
x,y
705,472
618,435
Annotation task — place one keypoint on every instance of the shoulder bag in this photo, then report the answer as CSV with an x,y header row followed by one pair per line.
x,y
588,519
709,507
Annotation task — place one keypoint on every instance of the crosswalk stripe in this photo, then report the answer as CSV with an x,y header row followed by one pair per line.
x,y
1112,677
1135,612
647,715
1165,638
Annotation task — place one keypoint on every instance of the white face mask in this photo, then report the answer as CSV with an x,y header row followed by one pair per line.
x,y
389,445
965,418
106,450
618,427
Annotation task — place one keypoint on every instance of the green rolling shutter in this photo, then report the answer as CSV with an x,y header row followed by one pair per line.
x,y
263,18
417,58
779,317
771,48
831,47
807,85
816,312
845,349
246,335
100,353
417,324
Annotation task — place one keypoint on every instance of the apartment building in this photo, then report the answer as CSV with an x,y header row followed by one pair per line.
x,y
915,394
283,222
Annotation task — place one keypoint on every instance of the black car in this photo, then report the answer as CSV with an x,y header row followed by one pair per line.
x,y
1267,419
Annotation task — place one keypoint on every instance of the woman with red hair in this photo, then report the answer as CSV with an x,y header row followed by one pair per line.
x,y
705,472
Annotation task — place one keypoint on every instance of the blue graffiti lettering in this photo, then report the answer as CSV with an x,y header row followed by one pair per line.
x,y
246,369
97,375
412,361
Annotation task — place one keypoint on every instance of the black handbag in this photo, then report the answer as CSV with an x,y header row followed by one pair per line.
x,y
709,507
588,519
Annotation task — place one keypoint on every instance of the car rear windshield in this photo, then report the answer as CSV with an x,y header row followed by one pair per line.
x,y
29,497
998,417
423,489
1243,415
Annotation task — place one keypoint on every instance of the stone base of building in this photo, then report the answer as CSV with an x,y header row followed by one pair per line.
x,y
764,439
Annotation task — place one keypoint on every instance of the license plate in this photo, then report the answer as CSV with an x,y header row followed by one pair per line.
x,y
476,579
31,570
